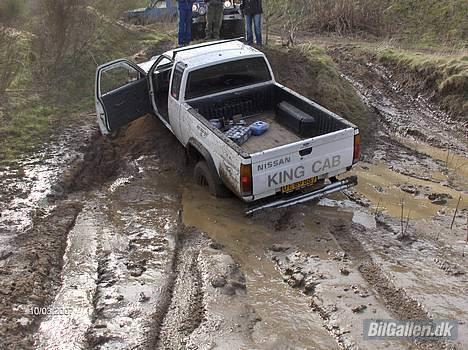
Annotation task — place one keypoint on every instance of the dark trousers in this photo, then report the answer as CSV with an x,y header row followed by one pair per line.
x,y
185,26
214,20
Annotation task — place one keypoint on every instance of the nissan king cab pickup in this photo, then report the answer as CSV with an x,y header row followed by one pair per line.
x,y
199,92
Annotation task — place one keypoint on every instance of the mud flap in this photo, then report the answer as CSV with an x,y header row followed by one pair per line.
x,y
302,198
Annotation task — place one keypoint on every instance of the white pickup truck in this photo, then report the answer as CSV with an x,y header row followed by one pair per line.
x,y
296,160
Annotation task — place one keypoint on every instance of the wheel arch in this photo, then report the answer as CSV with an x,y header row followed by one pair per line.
x,y
196,151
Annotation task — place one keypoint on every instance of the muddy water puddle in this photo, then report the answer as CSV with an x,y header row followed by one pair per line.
x,y
415,145
268,245
26,186
286,318
454,162
385,188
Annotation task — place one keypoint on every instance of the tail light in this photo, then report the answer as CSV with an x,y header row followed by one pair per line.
x,y
357,148
246,179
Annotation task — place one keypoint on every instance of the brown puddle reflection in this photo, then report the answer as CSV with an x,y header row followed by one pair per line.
x,y
381,186
287,320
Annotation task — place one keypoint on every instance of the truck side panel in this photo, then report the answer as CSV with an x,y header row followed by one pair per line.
x,y
226,156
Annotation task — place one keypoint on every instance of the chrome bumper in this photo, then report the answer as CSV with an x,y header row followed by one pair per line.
x,y
302,198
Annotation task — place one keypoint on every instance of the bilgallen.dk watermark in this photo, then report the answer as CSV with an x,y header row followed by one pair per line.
x,y
411,329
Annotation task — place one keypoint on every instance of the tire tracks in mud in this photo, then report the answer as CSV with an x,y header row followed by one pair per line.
x,y
399,111
184,312
208,305
130,300
172,312
396,300
32,274
346,284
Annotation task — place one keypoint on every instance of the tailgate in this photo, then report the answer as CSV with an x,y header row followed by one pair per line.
x,y
321,156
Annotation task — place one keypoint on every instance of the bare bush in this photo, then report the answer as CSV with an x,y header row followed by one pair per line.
x,y
273,10
290,15
339,16
347,16
294,20
9,65
63,29
11,12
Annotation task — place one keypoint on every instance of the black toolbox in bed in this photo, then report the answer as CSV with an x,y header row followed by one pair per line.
x,y
296,120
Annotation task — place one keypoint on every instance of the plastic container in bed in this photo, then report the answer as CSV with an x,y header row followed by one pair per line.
x,y
259,128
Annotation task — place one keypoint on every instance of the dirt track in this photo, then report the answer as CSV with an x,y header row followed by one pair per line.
x,y
115,241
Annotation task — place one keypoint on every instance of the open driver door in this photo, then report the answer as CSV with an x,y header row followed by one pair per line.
x,y
121,94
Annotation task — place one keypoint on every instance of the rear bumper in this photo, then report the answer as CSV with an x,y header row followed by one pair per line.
x,y
305,197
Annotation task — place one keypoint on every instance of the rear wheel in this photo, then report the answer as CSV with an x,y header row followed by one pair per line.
x,y
210,180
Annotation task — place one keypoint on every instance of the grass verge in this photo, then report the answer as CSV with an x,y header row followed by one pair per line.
x,y
29,113
308,70
442,77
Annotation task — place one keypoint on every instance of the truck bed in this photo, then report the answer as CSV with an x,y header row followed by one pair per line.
x,y
276,136
262,103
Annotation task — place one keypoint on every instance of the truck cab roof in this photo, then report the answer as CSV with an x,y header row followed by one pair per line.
x,y
203,54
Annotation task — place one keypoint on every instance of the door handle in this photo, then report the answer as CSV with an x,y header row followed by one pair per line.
x,y
120,104
305,151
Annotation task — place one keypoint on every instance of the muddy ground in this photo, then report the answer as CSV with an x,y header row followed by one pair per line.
x,y
106,243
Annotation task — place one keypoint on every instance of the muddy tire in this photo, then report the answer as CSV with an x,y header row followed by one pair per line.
x,y
209,179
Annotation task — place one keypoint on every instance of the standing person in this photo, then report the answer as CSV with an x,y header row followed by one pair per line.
x,y
252,9
185,21
214,18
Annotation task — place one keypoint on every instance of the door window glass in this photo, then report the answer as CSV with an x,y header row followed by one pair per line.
x,y
164,62
177,80
116,77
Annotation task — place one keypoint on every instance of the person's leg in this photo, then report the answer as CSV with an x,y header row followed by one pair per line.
x,y
181,27
188,28
218,21
258,28
209,22
248,29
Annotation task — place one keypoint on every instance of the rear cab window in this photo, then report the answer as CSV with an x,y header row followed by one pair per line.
x,y
227,76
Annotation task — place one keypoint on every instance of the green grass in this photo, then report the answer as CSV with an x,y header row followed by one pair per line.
x,y
21,134
28,117
332,90
429,21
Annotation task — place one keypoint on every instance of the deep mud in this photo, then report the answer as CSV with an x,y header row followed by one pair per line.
x,y
398,110
122,251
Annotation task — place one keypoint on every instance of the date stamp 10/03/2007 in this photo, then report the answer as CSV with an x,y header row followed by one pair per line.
x,y
57,311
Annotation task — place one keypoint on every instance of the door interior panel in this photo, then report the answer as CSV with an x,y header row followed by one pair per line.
x,y
127,103
161,91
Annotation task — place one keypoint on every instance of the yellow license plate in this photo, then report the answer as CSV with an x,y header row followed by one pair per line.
x,y
298,185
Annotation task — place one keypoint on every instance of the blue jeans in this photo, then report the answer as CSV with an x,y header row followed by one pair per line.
x,y
257,21
185,26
